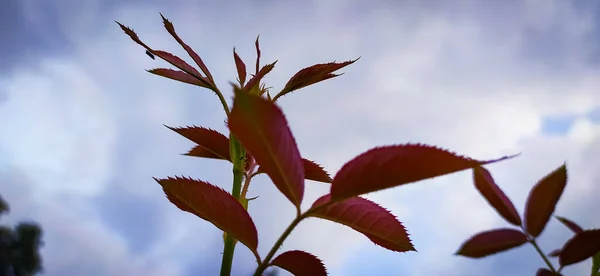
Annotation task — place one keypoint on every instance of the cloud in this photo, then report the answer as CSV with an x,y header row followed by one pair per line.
x,y
88,132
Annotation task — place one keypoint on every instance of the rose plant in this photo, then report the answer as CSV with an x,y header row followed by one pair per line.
x,y
540,206
260,141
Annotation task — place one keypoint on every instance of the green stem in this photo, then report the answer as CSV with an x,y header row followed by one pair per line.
x,y
539,251
223,101
237,152
227,260
265,263
596,265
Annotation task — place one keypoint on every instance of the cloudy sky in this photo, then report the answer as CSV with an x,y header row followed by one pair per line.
x,y
84,135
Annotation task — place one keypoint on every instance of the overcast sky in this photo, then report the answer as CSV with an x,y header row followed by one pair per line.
x,y
84,135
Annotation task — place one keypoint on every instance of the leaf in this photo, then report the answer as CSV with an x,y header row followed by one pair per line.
x,y
211,144
389,166
491,242
493,194
546,272
170,58
580,247
179,63
314,171
178,76
570,224
240,66
300,263
257,54
311,75
213,204
366,217
554,253
255,80
542,200
171,29
262,129
133,36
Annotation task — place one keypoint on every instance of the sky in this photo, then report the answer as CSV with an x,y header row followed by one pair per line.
x,y
84,135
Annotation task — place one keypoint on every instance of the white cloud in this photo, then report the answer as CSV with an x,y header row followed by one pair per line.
x,y
63,132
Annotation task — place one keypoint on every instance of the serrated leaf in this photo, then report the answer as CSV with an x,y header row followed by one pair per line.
x,y
493,194
542,200
311,75
240,66
570,224
368,218
300,263
211,144
312,171
179,63
491,242
262,129
253,83
179,76
168,57
171,29
554,253
546,272
133,36
213,204
315,172
389,166
580,247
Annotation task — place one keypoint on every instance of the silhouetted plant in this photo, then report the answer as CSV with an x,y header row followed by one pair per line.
x,y
539,208
19,247
260,141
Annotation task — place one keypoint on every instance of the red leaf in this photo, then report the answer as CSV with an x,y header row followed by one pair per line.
x,y
257,54
546,272
175,61
256,78
171,29
213,204
199,151
386,167
554,253
368,218
493,194
179,76
300,263
240,66
570,224
263,130
580,247
179,63
491,242
314,171
133,36
211,144
542,200
311,75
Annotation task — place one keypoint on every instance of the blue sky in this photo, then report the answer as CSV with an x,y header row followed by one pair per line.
x,y
84,130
